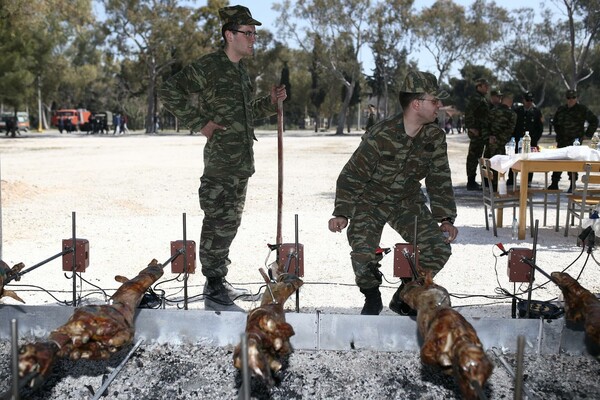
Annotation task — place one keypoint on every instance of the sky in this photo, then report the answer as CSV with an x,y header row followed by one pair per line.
x,y
267,16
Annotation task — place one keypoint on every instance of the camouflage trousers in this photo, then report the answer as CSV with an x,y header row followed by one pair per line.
x,y
364,235
475,151
222,200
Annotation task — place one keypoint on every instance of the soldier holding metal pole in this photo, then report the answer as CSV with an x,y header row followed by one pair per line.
x,y
213,96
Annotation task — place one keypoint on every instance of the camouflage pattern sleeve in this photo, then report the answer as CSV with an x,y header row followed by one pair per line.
x,y
477,114
439,179
355,175
388,167
502,125
182,96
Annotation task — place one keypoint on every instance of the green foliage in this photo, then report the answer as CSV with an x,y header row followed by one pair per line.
x,y
76,60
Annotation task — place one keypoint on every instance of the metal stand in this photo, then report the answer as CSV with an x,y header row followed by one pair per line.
x,y
244,394
74,249
185,265
15,358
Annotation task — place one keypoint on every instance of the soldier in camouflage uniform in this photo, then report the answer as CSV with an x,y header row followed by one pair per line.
x,y
381,184
569,124
529,119
213,95
477,124
502,126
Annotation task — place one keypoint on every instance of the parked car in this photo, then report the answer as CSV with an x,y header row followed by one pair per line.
x,y
99,122
22,120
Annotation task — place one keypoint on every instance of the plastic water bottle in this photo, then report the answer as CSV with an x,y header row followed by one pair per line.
x,y
510,147
595,141
576,142
515,229
520,147
502,185
526,143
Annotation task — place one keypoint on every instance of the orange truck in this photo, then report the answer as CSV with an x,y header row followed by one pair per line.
x,y
70,119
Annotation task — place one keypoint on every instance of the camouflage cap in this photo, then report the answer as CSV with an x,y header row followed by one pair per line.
x,y
422,82
571,93
495,92
238,15
481,81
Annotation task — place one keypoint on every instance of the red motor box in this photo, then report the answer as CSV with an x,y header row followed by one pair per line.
x,y
82,255
190,253
519,271
401,266
289,261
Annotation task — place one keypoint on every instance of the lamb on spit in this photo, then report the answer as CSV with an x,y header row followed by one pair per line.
x,y
92,332
580,304
7,273
449,340
267,332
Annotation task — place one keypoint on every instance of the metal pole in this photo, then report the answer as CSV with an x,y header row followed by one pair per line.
x,y
116,371
245,393
532,274
39,88
74,261
519,371
1,239
185,268
278,239
15,358
297,260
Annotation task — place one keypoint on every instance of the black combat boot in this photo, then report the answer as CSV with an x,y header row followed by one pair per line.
x,y
400,307
472,185
216,297
553,185
373,304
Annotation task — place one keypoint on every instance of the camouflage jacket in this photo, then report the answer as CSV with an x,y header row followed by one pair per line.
x,y
569,124
387,168
215,89
502,126
477,114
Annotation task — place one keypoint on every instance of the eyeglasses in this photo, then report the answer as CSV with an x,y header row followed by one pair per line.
x,y
434,101
248,34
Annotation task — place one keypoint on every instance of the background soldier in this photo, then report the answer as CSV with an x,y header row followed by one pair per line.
x,y
569,124
477,124
213,96
495,98
502,126
529,119
381,184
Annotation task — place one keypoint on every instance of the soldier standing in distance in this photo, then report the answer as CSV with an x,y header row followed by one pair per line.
x,y
569,124
477,124
213,96
529,119
381,184
502,127
495,98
